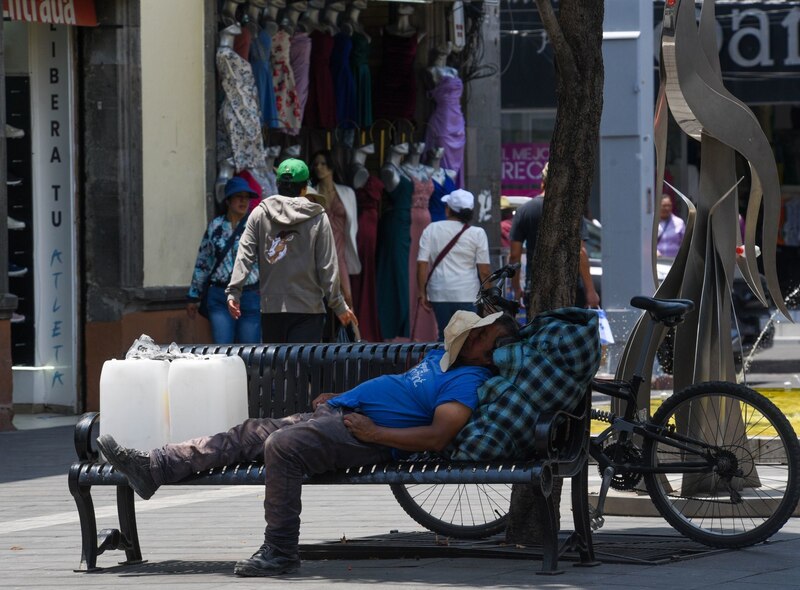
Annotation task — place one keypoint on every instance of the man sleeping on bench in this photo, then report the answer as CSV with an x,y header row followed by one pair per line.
x,y
420,410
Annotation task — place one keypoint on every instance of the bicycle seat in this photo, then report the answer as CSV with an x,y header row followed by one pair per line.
x,y
668,311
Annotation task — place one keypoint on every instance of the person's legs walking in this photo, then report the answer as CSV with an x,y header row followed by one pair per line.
x,y
273,328
305,327
248,326
444,310
222,324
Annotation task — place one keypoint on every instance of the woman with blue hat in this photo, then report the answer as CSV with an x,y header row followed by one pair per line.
x,y
213,268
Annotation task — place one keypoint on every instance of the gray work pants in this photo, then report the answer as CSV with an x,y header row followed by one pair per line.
x,y
291,447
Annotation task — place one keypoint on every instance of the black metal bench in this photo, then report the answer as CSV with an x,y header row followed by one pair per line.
x,y
284,379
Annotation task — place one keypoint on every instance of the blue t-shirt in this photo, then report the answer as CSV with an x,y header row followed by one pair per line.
x,y
410,399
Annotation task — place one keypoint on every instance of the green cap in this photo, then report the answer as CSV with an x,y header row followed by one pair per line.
x,y
293,170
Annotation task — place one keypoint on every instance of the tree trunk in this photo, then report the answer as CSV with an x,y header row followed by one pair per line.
x,y
576,35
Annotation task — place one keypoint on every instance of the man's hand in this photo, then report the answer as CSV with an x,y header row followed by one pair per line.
x,y
233,309
347,318
191,309
321,399
423,301
361,427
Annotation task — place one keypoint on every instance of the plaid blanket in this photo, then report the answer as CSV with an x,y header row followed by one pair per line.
x,y
548,370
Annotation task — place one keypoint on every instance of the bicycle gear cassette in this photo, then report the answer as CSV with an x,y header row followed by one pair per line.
x,y
623,480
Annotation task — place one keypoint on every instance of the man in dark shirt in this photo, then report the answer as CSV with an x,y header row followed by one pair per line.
x,y
524,231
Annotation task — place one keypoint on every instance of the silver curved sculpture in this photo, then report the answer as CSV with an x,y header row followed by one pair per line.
x,y
691,88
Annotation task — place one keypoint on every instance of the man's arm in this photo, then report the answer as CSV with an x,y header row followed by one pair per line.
x,y
246,256
514,256
448,419
422,277
592,298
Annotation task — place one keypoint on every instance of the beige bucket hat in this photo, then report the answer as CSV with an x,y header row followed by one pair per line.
x,y
457,330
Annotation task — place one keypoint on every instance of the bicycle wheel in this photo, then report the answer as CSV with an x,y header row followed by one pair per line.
x,y
739,481
463,511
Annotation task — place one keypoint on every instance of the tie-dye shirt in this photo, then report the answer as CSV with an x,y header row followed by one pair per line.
x,y
213,242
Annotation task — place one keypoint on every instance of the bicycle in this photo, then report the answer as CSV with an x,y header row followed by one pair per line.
x,y
720,462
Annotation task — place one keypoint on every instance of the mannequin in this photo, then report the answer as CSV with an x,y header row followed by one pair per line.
x,y
422,321
273,152
435,170
395,91
351,24
358,170
444,183
228,35
446,125
293,151
369,192
309,22
438,67
391,171
226,171
254,10
228,16
394,235
402,27
412,165
291,15
330,16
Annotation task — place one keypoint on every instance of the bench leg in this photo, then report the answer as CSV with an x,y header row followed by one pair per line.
x,y
83,500
546,507
126,510
581,539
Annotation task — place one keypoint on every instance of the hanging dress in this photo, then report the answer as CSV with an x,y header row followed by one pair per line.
x,y
338,218
424,327
359,62
365,300
286,101
393,249
344,85
239,121
435,206
300,54
446,124
261,62
320,110
396,87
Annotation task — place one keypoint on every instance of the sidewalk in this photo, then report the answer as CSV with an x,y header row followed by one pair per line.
x,y
192,537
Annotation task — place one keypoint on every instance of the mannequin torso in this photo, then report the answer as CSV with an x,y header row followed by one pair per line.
x,y
331,16
412,165
402,27
391,170
228,35
358,171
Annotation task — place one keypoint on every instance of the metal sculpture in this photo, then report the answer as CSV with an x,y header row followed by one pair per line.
x,y
691,88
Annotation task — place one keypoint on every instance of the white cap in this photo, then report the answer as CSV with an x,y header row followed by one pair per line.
x,y
457,330
459,199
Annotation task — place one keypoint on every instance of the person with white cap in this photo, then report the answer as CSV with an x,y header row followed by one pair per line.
x,y
420,410
450,253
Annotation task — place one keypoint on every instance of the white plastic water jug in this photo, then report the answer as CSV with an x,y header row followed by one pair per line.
x,y
134,405
206,395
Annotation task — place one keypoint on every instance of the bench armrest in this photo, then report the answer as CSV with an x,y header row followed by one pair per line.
x,y
84,441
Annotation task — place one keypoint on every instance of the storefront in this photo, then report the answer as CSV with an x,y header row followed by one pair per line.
x,y
759,50
43,268
152,81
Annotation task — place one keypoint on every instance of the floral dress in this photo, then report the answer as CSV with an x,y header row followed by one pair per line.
x,y
286,100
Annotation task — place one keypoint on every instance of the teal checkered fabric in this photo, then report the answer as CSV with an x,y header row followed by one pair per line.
x,y
548,370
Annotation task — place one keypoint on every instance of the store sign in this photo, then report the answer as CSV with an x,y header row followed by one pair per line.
x,y
54,12
522,167
53,228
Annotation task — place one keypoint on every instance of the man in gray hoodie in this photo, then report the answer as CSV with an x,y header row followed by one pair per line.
x,y
291,239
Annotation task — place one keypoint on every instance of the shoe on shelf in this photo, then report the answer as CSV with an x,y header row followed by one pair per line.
x,y
133,464
14,132
12,180
17,318
15,270
15,223
267,561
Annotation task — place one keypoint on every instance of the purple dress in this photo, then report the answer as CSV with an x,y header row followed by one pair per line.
x,y
446,125
300,58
